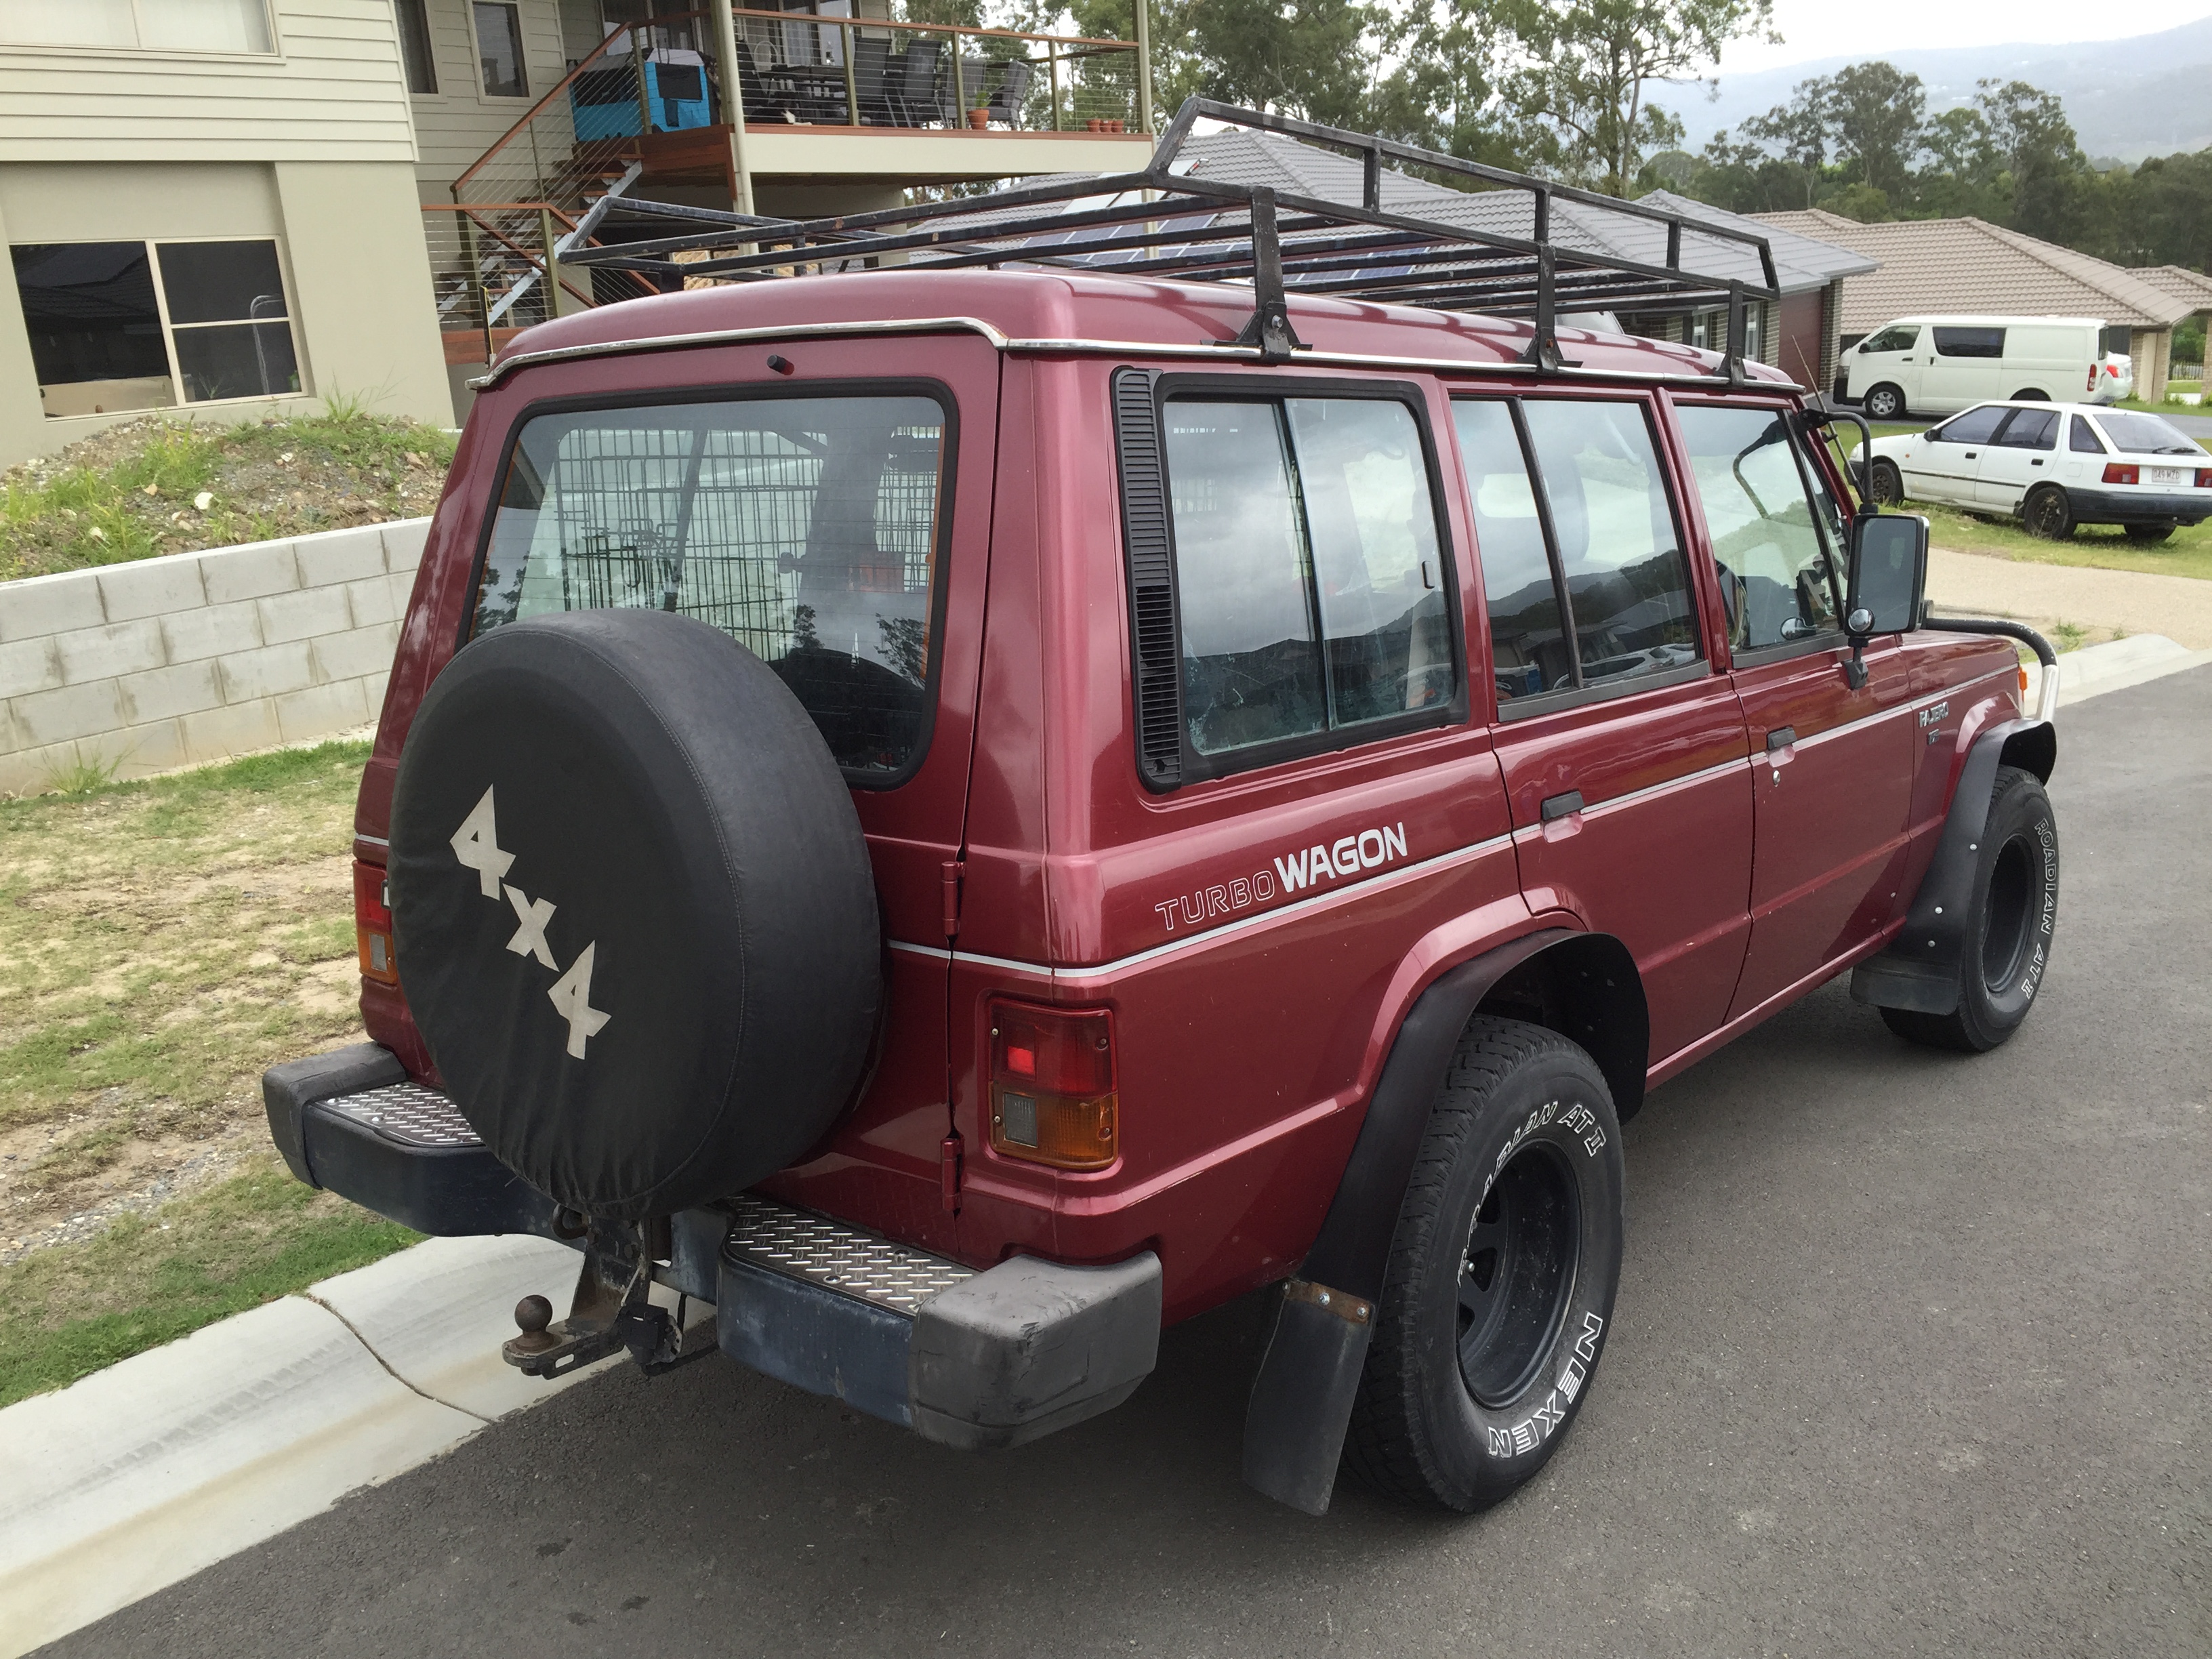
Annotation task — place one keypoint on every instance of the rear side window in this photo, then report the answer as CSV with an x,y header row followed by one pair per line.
x,y
1308,579
2080,435
1976,426
2030,428
1775,548
809,530
1970,342
1573,518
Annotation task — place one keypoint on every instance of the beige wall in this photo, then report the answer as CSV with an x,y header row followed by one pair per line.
x,y
458,123
332,90
356,269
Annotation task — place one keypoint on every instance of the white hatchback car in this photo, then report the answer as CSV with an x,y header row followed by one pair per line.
x,y
2055,465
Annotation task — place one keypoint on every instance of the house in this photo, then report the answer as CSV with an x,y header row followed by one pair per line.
x,y
1797,334
1968,265
237,207
209,206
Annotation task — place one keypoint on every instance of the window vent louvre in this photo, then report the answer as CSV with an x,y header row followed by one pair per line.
x,y
1157,672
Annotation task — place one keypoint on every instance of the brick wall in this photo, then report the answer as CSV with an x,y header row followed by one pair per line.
x,y
200,656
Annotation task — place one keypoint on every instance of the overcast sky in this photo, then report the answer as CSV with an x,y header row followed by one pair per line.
x,y
1821,28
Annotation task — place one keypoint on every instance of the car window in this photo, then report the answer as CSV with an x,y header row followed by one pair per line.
x,y
1608,541
1970,342
2145,434
2030,428
807,529
2080,435
1771,542
1976,426
1898,338
1308,576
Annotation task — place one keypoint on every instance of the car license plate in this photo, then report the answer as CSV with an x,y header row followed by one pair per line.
x,y
2166,475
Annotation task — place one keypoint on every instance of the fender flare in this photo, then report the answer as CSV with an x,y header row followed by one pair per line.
x,y
1919,968
1302,1398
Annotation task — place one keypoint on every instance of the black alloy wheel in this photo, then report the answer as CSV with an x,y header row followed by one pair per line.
x,y
2149,535
2048,514
1885,483
1517,1274
1884,403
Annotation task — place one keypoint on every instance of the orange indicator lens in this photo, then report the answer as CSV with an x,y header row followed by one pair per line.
x,y
372,920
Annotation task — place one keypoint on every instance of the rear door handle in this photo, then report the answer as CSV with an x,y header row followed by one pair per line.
x,y
1561,806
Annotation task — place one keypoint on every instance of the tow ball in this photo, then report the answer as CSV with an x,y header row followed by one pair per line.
x,y
610,1311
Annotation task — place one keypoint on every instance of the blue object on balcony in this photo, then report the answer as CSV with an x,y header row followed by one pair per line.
x,y
603,101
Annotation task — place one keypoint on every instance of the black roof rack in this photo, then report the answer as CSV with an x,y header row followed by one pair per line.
x,y
1165,223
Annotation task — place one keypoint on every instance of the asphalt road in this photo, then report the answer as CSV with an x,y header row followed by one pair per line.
x,y
1911,1356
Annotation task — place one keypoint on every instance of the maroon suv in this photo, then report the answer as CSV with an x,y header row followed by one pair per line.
x,y
962,814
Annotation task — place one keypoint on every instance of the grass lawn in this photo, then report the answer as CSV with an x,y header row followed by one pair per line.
x,y
161,942
171,486
2188,552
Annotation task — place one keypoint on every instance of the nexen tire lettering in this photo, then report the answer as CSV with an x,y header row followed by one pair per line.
x,y
1349,856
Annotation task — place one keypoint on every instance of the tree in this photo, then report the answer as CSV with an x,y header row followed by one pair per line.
x,y
1444,94
1583,67
1874,117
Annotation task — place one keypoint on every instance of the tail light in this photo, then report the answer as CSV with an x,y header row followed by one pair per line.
x,y
371,922
2092,384
1053,1098
2115,473
2204,477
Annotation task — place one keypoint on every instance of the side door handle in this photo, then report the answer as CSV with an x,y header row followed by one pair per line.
x,y
1781,737
1972,453
1561,806
2035,463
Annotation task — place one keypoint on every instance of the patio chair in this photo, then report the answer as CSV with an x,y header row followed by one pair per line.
x,y
963,87
873,74
914,93
1006,102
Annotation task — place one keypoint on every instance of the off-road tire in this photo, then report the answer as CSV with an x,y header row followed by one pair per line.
x,y
1524,1134
1885,483
2009,925
1883,402
2148,535
2047,513
2033,395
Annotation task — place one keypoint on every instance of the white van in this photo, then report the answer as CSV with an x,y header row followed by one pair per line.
x,y
1940,365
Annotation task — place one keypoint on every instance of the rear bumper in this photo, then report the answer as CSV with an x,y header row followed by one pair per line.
x,y
2140,507
971,1358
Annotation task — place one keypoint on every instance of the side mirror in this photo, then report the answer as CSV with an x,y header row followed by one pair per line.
x,y
1888,571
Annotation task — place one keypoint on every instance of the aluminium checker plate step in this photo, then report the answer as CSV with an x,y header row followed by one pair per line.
x,y
411,1112
838,1256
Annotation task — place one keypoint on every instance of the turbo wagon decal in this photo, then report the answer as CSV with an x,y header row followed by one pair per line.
x,y
1307,867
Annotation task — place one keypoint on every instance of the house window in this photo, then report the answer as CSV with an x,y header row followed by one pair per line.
x,y
129,325
415,46
225,26
498,48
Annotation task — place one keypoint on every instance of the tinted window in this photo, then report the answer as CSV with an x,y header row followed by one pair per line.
x,y
1893,340
91,313
1591,517
499,50
2145,434
806,529
1970,342
1528,646
1976,426
1308,575
2031,428
2080,435
1627,583
1771,542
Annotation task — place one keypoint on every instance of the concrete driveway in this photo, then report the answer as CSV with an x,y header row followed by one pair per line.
x,y
1911,1357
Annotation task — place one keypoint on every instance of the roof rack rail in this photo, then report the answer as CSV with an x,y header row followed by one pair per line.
x,y
1176,225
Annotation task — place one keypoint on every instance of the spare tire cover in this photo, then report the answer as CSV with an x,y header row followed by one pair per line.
x,y
632,909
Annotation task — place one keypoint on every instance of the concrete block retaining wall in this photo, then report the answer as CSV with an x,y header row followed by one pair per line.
x,y
197,657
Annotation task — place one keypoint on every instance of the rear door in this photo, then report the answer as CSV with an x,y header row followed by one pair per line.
x,y
2024,453
1834,765
828,522
1623,747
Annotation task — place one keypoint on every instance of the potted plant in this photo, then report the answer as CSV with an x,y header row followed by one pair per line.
x,y
979,118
